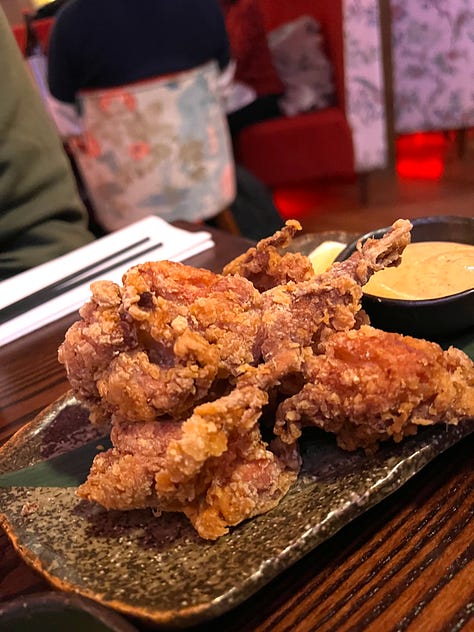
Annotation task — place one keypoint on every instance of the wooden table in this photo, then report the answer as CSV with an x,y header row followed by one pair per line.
x,y
406,564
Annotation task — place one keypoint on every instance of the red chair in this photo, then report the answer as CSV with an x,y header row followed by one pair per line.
x,y
19,31
312,145
42,31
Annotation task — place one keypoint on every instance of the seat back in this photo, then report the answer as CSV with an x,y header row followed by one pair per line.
x,y
19,31
160,146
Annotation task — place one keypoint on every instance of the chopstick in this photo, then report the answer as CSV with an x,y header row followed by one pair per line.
x,y
72,281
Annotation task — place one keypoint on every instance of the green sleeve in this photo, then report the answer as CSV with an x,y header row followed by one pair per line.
x,y
41,213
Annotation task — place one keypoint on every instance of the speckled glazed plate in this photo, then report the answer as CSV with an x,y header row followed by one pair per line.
x,y
159,569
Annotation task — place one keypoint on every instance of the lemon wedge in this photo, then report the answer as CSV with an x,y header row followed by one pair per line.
x,y
323,256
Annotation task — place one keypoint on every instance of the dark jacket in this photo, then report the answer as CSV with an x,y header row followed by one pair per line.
x,y
41,214
108,43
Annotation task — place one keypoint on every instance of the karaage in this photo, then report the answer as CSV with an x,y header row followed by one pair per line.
x,y
208,380
170,337
367,386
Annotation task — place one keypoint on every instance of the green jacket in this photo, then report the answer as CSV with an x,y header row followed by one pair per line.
x,y
41,213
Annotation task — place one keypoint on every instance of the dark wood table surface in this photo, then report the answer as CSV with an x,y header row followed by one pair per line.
x,y
406,564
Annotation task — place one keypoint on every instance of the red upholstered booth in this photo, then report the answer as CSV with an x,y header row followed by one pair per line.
x,y
19,31
312,145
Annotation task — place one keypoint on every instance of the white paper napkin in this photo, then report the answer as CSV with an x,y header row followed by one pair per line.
x,y
162,240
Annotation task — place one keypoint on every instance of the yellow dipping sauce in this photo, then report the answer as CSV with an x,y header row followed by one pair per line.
x,y
429,269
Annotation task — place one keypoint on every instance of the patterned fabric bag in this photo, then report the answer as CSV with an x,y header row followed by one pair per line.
x,y
158,147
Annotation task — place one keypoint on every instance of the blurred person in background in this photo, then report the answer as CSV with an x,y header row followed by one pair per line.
x,y
113,42
41,213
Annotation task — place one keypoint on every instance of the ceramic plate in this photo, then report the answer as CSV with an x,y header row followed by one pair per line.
x,y
158,568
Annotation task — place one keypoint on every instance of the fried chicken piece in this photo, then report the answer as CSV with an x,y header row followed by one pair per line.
x,y
266,266
205,435
250,479
375,254
162,342
299,315
368,386
214,467
124,476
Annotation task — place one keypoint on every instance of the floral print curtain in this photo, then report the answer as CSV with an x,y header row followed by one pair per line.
x,y
365,104
433,64
432,68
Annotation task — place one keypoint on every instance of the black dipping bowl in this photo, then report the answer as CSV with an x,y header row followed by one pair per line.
x,y
58,612
435,318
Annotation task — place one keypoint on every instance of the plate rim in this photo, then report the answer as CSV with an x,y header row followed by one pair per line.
x,y
269,568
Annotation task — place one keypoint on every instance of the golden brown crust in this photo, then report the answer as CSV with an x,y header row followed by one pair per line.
x,y
367,386
267,265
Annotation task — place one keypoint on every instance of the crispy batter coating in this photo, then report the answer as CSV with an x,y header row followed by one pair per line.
x,y
368,385
207,380
123,477
375,254
161,342
296,316
214,467
266,265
